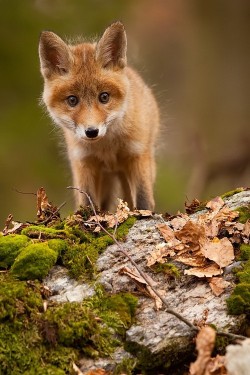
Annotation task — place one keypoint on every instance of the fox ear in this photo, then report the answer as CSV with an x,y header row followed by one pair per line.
x,y
112,47
54,54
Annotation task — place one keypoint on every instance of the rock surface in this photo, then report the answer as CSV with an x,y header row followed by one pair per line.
x,y
157,338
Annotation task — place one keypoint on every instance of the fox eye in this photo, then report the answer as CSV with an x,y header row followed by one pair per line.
x,y
104,97
72,100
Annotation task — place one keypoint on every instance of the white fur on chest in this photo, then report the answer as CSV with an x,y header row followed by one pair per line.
x,y
108,152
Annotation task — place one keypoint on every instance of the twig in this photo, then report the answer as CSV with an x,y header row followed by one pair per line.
x,y
145,276
53,214
23,192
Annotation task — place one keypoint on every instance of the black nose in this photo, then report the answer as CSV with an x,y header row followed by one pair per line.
x,y
92,132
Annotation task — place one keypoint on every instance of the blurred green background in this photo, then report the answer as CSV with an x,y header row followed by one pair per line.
x,y
195,55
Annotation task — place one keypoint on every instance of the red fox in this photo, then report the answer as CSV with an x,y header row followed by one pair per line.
x,y
108,115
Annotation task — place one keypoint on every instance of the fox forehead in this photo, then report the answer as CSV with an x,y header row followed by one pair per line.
x,y
86,77
84,57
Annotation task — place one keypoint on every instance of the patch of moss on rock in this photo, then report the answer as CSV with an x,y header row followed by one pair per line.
x,y
230,193
34,262
17,298
245,252
59,246
239,301
244,214
10,247
36,342
168,269
80,258
42,232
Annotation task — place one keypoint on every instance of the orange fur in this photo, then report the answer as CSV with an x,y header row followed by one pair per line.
x,y
110,145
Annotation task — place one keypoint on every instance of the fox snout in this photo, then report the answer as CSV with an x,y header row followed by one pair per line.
x,y
92,132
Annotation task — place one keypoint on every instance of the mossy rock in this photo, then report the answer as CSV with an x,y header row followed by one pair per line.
x,y
45,370
59,246
80,258
42,232
17,298
239,302
34,262
245,252
244,214
10,247
230,193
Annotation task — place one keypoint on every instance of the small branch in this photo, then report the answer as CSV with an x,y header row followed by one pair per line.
x,y
23,192
53,214
145,276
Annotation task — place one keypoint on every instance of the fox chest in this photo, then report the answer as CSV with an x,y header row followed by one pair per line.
x,y
108,158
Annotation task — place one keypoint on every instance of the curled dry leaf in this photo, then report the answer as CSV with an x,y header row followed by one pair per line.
x,y
76,369
166,232
192,235
204,344
220,251
218,285
42,202
215,204
246,229
178,222
208,271
159,255
142,284
197,261
142,213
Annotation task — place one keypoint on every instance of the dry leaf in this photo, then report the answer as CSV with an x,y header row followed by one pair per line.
x,y
159,254
215,204
246,230
166,232
196,261
77,370
208,271
42,202
178,222
216,366
192,207
142,213
142,284
220,251
204,344
218,285
192,235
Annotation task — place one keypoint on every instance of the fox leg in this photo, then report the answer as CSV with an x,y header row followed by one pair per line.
x,y
141,176
108,191
87,179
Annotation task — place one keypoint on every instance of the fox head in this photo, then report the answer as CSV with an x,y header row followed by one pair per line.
x,y
85,85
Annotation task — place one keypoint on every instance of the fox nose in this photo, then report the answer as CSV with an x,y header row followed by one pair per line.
x,y
92,132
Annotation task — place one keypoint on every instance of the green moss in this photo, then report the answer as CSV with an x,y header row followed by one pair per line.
x,y
239,301
245,252
59,246
231,193
34,262
10,247
77,326
36,342
168,268
17,298
244,213
45,370
42,232
80,258
125,367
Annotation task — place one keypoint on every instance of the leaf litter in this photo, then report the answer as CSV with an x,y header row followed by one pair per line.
x,y
205,244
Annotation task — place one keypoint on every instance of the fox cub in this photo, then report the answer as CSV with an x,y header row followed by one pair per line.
x,y
108,115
